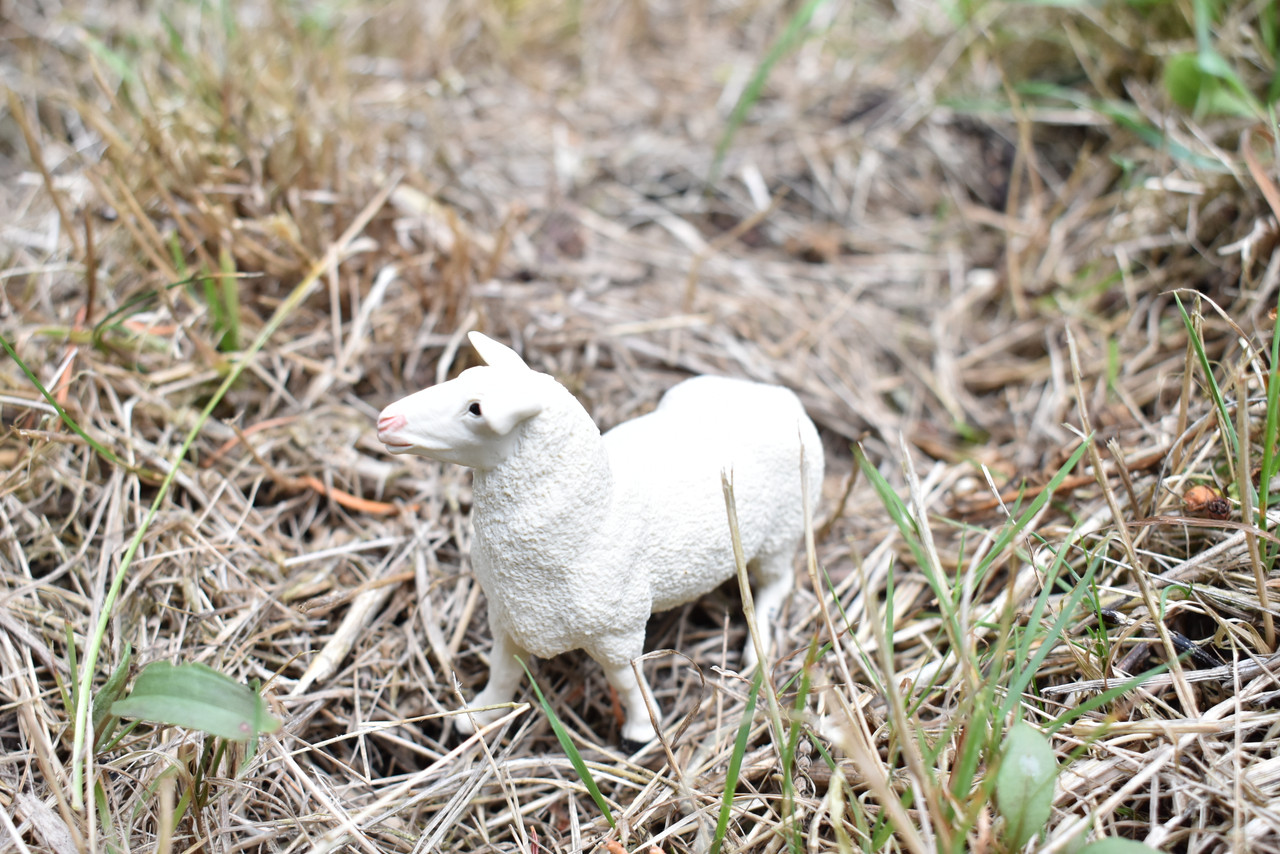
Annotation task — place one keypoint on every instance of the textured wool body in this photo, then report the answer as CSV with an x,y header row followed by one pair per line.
x,y
579,537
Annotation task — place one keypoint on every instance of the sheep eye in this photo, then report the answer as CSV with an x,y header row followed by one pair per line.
x,y
474,408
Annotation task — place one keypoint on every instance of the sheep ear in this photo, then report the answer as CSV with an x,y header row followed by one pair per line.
x,y
505,409
494,353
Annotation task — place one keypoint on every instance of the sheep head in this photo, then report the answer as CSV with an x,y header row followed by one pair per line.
x,y
470,420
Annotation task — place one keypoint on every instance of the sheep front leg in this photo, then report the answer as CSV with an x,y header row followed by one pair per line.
x,y
632,691
504,679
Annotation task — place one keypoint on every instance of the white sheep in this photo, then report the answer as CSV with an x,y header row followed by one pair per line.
x,y
579,537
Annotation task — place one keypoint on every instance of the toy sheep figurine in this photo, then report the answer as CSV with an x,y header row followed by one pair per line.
x,y
579,537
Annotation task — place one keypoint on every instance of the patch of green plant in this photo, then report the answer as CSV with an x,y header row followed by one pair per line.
x,y
1205,82
1024,792
1027,663
993,677
93,643
195,697
203,79
919,540
1023,787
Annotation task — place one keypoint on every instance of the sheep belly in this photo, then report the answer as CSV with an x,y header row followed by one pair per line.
x,y
667,468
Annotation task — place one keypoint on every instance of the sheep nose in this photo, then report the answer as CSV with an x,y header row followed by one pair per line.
x,y
388,423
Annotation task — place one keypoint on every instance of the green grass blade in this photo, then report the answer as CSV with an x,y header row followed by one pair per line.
x,y
976,733
1105,697
570,749
794,731
218,324
135,303
116,61
97,446
1269,455
1125,115
944,595
791,37
1010,531
1225,424
735,763
119,734
104,815
898,513
1058,630
68,691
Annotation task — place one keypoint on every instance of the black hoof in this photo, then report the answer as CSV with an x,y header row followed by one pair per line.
x,y
631,748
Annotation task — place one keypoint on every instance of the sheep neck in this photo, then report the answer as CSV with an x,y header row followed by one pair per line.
x,y
548,500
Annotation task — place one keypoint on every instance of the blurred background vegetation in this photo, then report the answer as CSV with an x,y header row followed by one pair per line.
x,y
230,232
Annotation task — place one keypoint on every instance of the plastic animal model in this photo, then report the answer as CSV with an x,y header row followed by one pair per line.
x,y
579,536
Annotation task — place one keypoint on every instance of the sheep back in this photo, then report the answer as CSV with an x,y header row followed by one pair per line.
x,y
667,465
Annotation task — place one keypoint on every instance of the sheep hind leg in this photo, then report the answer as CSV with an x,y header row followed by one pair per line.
x,y
504,678
773,577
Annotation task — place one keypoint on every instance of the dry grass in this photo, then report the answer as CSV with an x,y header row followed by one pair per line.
x,y
962,278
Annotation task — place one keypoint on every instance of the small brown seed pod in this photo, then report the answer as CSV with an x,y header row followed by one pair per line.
x,y
1206,502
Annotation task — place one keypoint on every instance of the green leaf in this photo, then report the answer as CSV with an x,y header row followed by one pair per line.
x,y
1205,84
1226,424
1115,845
1024,783
197,697
1183,79
735,763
